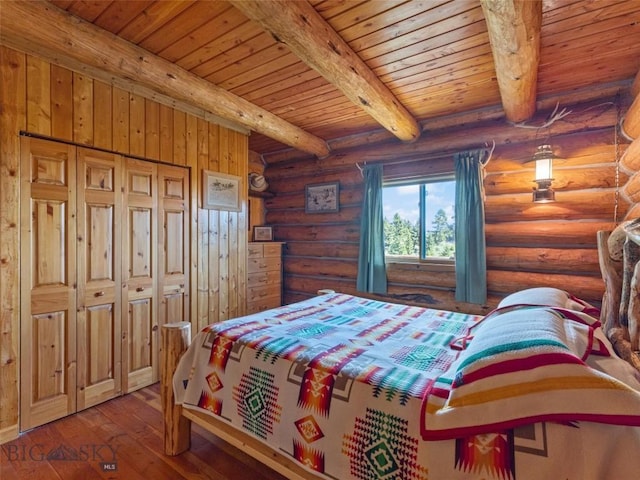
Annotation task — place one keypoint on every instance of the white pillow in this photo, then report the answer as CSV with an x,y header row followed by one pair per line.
x,y
552,297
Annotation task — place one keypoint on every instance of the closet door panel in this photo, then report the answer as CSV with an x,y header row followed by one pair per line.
x,y
140,344
49,353
173,207
48,282
140,270
99,274
100,356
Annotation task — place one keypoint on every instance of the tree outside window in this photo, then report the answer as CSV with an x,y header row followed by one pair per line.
x,y
419,220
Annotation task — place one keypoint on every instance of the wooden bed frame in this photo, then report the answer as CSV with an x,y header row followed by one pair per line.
x,y
618,254
175,338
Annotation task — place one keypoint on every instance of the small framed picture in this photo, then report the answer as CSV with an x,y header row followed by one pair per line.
x,y
322,197
220,191
262,234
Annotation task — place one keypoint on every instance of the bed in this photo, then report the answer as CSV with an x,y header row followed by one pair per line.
x,y
343,387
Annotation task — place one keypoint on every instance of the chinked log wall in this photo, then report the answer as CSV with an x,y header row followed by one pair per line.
x,y
527,244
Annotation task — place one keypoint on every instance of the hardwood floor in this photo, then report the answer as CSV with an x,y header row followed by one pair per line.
x,y
122,439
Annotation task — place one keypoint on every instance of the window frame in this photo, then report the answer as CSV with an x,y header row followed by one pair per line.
x,y
436,263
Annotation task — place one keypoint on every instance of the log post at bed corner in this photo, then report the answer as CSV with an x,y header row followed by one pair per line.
x,y
175,338
611,255
611,275
633,317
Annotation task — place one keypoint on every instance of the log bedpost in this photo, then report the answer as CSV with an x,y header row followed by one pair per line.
x,y
620,315
623,348
177,429
631,252
610,269
633,317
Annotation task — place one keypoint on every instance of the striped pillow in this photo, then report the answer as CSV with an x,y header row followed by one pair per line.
x,y
523,365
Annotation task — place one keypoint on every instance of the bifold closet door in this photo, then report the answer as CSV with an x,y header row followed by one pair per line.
x,y
48,281
99,248
104,260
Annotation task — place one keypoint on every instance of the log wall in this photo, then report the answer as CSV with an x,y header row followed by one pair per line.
x,y
527,244
48,100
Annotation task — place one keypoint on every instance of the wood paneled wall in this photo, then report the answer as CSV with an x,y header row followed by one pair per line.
x,y
44,99
527,244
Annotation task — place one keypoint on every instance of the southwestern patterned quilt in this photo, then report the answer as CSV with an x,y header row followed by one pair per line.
x,y
354,388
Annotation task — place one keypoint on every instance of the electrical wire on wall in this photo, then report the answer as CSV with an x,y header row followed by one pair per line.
x,y
616,198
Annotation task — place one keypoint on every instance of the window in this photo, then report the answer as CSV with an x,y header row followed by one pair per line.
x,y
419,221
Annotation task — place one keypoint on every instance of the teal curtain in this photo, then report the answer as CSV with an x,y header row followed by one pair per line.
x,y
372,271
471,262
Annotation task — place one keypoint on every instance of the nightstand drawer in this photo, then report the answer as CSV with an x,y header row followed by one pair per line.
x,y
261,279
260,293
256,250
264,264
263,304
272,249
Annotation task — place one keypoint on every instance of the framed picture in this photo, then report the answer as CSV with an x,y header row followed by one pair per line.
x,y
262,234
322,197
220,191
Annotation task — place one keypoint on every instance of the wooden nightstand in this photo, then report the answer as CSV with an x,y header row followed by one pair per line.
x,y
264,276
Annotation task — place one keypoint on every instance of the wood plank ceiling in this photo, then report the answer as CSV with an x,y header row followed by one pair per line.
x,y
422,60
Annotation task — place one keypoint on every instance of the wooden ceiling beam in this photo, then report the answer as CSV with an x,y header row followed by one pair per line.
x,y
313,40
42,29
514,32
